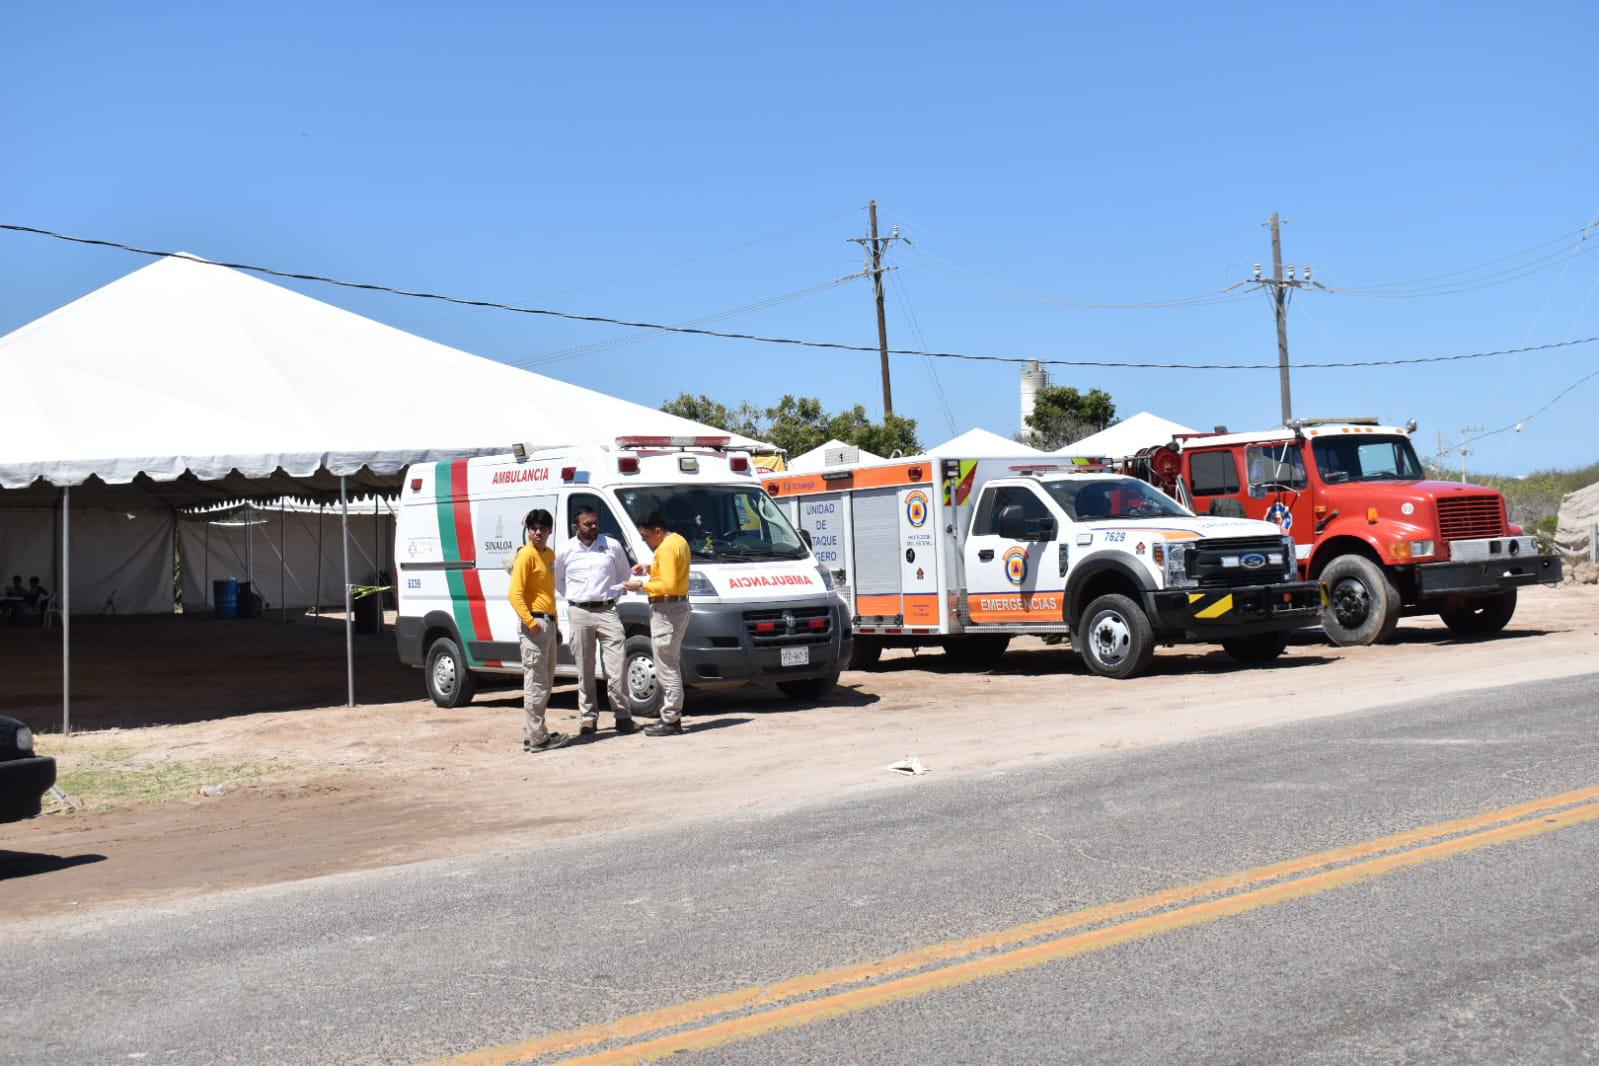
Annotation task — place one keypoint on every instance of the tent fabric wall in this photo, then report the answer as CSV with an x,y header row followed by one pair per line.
x,y
117,554
228,543
1579,517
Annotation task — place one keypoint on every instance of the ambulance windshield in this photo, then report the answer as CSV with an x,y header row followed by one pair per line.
x,y
722,523
1088,499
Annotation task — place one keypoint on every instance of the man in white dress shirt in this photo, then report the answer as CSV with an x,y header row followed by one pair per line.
x,y
588,568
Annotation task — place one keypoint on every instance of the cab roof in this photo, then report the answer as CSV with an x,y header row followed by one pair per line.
x,y
1285,433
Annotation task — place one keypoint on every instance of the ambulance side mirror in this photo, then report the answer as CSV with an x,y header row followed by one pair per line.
x,y
805,535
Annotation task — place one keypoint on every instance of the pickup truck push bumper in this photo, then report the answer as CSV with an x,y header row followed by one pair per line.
x,y
1222,613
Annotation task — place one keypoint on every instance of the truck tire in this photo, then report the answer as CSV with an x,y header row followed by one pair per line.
x,y
1362,602
450,683
979,652
1481,617
1115,638
808,688
1227,507
864,653
644,692
1259,648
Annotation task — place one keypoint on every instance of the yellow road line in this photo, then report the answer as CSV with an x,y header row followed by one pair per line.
x,y
1035,955
809,984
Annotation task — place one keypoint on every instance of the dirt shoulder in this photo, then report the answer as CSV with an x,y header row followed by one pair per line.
x,y
327,789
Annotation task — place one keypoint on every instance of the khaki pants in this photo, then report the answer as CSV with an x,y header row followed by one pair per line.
x,y
668,626
601,632
538,673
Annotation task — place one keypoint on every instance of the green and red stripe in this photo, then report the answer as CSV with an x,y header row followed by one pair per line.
x,y
457,544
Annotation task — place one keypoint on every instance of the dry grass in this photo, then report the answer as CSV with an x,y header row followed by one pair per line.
x,y
104,779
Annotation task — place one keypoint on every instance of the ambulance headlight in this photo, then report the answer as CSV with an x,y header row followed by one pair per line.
x,y
1177,558
700,587
1293,560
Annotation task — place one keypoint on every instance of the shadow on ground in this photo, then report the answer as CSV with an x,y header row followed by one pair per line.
x,y
15,864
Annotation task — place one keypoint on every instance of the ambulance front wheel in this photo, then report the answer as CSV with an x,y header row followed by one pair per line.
x,y
644,693
450,683
1115,637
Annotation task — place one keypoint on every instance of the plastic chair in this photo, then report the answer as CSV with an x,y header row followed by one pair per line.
x,y
52,606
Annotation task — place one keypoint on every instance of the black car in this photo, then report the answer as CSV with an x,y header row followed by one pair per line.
x,y
24,776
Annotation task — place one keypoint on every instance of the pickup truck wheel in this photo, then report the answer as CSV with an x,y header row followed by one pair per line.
x,y
1260,648
864,653
450,683
1362,603
980,651
808,688
644,692
1481,617
1115,637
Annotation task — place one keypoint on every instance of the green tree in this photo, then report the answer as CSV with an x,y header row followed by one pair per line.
x,y
1062,415
744,420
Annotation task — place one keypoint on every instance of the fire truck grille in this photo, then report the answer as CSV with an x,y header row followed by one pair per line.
x,y
1470,517
797,625
1215,562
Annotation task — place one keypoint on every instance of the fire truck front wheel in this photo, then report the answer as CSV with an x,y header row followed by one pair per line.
x,y
450,683
1481,617
1115,637
1362,602
864,653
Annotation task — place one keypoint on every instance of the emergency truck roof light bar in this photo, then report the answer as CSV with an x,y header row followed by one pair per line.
x,y
672,442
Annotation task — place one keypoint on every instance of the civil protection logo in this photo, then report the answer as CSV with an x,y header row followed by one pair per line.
x,y
1282,516
1016,565
916,508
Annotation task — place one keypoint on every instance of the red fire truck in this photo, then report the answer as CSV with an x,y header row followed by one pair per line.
x,y
1365,519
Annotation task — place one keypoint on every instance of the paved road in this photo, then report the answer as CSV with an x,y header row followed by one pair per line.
x,y
1471,942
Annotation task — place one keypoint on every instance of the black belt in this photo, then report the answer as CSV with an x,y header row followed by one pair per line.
x,y
541,614
667,599
592,605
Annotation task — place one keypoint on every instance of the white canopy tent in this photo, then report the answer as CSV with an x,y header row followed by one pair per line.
x,y
185,383
1127,437
983,444
834,453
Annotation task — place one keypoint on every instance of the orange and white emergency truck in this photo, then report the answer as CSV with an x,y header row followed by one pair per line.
x,y
967,553
763,610
1366,519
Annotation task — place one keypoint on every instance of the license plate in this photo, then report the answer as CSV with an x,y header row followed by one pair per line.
x,y
800,656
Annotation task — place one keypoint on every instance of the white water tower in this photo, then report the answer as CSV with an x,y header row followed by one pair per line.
x,y
1034,377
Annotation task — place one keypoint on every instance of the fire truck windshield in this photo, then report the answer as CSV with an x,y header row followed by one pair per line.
x,y
722,523
1090,499
1363,458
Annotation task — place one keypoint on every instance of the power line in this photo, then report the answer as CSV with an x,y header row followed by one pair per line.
x,y
790,341
1519,423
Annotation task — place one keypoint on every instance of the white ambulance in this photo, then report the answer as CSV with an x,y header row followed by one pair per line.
x,y
967,553
763,610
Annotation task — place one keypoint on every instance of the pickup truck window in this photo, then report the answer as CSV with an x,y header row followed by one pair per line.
x,y
1033,508
1214,473
1113,497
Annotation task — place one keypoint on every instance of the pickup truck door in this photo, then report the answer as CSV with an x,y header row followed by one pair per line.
x,y
1017,578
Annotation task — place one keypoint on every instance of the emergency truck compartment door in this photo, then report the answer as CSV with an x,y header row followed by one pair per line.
x,y
1011,581
918,575
877,553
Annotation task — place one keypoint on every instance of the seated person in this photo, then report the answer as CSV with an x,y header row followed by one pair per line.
x,y
35,593
13,590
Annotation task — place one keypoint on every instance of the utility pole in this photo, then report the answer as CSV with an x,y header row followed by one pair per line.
x,y
1279,288
1465,439
874,246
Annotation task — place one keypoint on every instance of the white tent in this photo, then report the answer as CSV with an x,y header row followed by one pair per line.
x,y
185,383
834,453
1127,437
983,444
184,367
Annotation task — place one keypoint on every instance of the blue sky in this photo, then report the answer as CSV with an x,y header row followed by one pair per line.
x,y
1037,156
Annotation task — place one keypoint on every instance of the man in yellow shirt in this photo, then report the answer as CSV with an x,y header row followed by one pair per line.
x,y
533,597
669,612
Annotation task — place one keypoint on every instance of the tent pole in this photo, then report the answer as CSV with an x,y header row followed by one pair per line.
x,y
283,580
377,560
66,610
249,544
349,619
207,590
316,609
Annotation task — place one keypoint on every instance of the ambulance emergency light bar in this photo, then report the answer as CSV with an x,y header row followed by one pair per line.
x,y
673,442
1076,465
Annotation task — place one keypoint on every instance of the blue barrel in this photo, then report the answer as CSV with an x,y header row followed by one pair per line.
x,y
225,598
